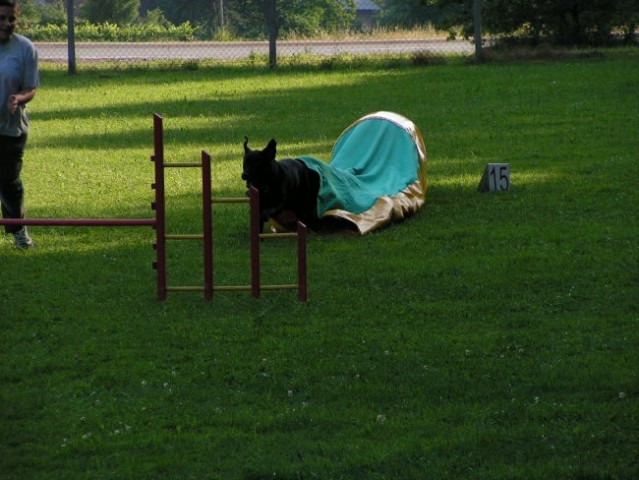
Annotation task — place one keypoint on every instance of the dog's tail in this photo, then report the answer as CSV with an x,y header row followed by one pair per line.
x,y
246,148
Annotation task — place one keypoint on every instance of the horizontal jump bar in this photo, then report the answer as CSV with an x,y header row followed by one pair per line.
x,y
197,288
185,289
292,286
222,288
184,237
277,235
228,288
81,222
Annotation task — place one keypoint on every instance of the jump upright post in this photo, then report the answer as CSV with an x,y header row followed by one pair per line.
x,y
159,206
206,237
256,285
257,237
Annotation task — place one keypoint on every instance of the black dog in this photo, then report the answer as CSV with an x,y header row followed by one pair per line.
x,y
288,188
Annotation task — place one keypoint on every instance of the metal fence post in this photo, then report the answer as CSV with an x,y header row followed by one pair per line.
x,y
477,23
71,37
271,21
222,16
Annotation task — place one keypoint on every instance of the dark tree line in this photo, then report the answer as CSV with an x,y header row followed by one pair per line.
x,y
560,22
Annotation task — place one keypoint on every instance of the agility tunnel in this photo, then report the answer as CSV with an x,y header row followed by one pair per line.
x,y
376,174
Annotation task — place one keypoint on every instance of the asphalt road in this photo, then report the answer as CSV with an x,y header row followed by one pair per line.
x,y
238,50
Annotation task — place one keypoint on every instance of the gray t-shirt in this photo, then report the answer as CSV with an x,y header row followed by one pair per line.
x,y
18,71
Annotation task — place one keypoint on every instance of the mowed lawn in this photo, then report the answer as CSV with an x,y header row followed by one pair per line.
x,y
492,335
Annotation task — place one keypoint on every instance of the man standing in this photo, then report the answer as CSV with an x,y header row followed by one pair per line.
x,y
19,80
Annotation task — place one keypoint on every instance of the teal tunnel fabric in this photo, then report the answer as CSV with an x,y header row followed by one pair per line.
x,y
374,158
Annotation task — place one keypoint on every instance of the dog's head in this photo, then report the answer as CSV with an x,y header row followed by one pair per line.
x,y
260,166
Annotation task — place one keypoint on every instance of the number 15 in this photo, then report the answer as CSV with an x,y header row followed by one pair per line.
x,y
499,175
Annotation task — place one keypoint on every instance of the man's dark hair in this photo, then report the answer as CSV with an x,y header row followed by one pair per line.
x,y
8,3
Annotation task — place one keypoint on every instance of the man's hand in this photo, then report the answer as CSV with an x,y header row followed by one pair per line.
x,y
20,98
12,104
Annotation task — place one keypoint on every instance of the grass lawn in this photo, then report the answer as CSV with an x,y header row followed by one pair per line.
x,y
492,335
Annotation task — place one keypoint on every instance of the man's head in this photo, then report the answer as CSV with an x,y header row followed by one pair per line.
x,y
9,10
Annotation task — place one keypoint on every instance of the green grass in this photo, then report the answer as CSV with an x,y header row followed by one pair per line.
x,y
489,336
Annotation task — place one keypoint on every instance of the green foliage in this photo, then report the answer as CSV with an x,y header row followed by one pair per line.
x,y
28,12
299,17
52,13
408,13
564,22
111,32
194,11
42,13
119,12
627,18
489,336
156,17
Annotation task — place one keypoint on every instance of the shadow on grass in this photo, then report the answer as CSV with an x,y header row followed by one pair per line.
x,y
231,116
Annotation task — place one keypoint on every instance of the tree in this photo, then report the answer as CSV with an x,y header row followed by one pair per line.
x,y
299,17
195,11
119,12
28,13
627,17
407,13
52,13
561,22
248,18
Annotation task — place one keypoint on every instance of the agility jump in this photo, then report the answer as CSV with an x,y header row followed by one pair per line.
x,y
159,225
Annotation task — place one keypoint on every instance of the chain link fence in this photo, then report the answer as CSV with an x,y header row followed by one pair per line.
x,y
422,43
237,51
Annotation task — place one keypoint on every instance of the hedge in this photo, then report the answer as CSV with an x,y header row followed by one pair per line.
x,y
109,32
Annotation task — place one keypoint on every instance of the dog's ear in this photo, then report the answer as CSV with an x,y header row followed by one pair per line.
x,y
246,147
271,149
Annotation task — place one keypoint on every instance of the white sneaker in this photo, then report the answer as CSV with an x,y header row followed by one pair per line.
x,y
22,239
